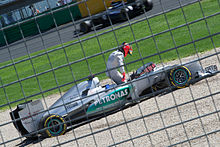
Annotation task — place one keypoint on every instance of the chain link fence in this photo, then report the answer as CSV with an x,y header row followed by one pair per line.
x,y
44,66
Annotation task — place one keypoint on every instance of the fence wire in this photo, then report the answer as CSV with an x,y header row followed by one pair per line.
x,y
46,65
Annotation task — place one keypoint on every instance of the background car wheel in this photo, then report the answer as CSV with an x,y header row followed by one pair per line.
x,y
85,26
180,77
148,4
54,124
123,15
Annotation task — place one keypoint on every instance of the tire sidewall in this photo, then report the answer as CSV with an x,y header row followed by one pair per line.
x,y
123,14
173,81
48,119
148,4
85,27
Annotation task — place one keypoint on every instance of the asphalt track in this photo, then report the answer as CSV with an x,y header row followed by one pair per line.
x,y
65,33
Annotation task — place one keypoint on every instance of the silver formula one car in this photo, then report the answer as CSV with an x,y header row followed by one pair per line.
x,y
89,100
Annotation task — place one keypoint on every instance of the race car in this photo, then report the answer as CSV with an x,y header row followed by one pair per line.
x,y
118,12
88,100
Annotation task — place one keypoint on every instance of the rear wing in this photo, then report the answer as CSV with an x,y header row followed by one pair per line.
x,y
26,116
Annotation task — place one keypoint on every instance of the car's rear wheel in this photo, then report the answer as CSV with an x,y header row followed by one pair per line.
x,y
52,125
180,77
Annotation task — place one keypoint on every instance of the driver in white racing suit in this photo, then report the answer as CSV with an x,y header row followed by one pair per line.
x,y
115,60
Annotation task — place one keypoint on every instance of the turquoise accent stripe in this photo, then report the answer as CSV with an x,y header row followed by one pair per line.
x,y
110,100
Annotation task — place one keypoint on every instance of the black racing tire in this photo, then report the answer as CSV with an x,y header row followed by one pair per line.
x,y
52,125
148,5
123,15
180,77
86,26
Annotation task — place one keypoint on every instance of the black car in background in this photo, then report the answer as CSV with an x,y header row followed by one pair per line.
x,y
118,12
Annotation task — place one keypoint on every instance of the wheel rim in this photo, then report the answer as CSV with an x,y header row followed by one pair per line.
x,y
55,126
180,77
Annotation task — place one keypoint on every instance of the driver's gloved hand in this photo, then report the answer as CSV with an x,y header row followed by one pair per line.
x,y
123,79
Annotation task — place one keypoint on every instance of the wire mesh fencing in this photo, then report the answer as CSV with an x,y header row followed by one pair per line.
x,y
53,80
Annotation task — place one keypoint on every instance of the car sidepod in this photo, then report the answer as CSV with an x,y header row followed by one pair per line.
x,y
112,100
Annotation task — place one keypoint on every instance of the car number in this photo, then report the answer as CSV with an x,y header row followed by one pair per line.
x,y
211,68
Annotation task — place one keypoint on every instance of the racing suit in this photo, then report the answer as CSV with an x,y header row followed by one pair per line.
x,y
116,59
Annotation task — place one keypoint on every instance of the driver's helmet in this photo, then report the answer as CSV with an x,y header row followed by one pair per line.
x,y
126,49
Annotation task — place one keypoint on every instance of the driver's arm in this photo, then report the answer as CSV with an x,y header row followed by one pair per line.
x,y
121,63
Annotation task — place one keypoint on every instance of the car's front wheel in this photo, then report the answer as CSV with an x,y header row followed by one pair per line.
x,y
52,125
148,5
180,77
86,26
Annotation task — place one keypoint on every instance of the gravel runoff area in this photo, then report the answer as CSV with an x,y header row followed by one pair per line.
x,y
195,116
